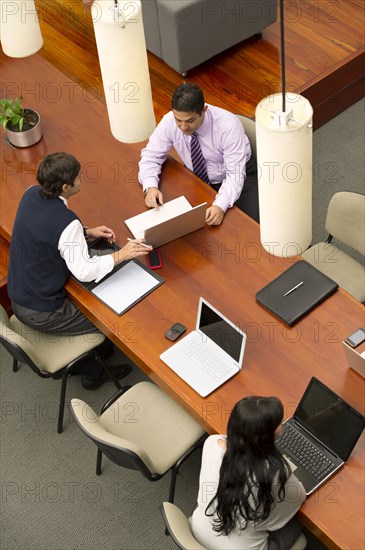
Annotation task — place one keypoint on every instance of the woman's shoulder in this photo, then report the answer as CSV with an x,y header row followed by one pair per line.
x,y
216,439
212,458
215,444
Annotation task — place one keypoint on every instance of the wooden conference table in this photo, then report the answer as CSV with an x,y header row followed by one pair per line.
x,y
226,265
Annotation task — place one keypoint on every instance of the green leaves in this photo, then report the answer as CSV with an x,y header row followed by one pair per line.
x,y
11,110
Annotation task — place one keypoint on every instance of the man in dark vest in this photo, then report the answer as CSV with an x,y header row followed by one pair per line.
x,y
48,244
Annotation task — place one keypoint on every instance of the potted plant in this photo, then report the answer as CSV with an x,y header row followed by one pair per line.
x,y
22,126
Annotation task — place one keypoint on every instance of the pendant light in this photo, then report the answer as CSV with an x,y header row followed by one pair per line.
x,y
284,158
123,62
20,33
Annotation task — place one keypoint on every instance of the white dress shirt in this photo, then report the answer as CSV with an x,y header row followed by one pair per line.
x,y
73,249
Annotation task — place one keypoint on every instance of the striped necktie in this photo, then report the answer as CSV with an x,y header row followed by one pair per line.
x,y
199,166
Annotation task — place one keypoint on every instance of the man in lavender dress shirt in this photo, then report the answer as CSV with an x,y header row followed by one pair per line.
x,y
226,149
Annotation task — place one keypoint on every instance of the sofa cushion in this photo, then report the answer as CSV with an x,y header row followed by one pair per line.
x,y
193,31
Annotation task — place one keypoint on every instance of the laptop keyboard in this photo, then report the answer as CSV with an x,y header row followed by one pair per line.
x,y
208,361
304,452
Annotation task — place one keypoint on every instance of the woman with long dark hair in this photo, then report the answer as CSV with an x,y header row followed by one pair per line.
x,y
247,492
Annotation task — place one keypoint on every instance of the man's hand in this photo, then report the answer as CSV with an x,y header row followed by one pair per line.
x,y
153,198
101,231
214,215
132,249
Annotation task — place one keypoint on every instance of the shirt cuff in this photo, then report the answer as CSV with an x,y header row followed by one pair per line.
x,y
221,202
149,182
108,259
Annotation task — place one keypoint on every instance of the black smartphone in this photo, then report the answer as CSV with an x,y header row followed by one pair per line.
x,y
175,331
154,259
356,338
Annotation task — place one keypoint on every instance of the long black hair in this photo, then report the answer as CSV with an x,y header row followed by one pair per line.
x,y
252,467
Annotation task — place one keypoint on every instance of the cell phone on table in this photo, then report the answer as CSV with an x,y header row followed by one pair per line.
x,y
154,259
356,338
175,331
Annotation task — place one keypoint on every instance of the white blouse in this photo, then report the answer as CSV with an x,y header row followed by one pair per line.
x,y
254,537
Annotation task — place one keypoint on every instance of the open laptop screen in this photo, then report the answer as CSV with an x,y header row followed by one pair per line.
x,y
329,418
223,333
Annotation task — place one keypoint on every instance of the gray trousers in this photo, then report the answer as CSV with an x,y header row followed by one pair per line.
x,y
248,201
66,319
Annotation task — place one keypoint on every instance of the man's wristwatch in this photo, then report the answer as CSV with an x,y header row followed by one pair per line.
x,y
146,190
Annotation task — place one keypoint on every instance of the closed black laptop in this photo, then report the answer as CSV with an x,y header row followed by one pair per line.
x,y
295,292
320,436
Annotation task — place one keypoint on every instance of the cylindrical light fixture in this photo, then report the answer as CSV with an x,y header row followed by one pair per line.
x,y
122,53
284,160
19,28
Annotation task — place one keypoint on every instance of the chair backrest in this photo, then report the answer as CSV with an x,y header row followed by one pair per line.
x,y
249,126
177,524
122,452
17,345
345,219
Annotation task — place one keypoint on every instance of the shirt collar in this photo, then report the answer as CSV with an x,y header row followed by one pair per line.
x,y
204,128
63,200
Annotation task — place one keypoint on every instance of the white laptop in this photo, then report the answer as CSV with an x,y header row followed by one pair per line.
x,y
355,360
210,355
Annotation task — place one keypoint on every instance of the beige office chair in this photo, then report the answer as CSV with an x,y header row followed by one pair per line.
x,y
345,221
178,527
48,355
249,126
141,428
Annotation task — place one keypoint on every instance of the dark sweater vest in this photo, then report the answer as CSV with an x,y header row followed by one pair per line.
x,y
37,272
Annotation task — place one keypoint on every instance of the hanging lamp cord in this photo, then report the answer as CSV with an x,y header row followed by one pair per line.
x,y
282,47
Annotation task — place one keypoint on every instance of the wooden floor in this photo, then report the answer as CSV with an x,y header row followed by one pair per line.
x,y
325,58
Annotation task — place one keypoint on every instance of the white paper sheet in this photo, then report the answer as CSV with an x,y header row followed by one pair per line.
x,y
126,286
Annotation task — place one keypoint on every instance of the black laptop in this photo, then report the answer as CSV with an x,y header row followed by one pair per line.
x,y
320,436
296,291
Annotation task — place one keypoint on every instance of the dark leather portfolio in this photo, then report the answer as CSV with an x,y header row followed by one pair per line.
x,y
296,291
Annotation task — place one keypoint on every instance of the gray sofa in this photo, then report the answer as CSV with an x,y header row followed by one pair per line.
x,y
184,33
